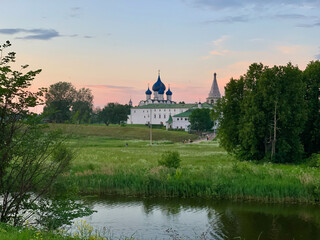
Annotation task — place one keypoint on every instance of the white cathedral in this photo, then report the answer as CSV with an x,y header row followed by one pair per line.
x,y
161,111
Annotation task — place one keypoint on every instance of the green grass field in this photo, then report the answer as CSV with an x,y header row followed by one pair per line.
x,y
105,165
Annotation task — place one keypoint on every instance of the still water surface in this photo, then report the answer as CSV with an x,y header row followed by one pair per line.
x,y
154,218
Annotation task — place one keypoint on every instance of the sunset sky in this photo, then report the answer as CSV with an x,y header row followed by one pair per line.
x,y
115,47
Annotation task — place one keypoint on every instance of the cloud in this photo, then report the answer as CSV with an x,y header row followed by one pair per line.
x,y
218,48
109,86
317,56
219,53
40,34
291,16
75,12
292,49
220,40
308,25
255,4
229,19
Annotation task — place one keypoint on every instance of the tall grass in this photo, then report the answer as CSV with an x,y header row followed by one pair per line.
x,y
105,166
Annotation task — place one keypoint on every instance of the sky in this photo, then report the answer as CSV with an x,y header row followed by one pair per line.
x,y
116,47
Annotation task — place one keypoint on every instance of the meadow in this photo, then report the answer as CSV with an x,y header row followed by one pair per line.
x,y
106,165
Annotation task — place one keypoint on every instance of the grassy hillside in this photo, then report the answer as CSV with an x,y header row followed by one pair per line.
x,y
139,132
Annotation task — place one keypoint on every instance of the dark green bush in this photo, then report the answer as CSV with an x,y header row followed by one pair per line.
x,y
170,159
314,161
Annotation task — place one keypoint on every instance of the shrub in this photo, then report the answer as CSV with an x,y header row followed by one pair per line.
x,y
314,161
170,159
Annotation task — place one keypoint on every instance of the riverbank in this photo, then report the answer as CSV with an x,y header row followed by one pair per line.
x,y
130,167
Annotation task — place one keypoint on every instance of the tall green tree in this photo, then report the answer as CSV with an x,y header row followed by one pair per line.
x,y
311,133
228,114
59,99
262,114
82,106
65,103
31,160
115,113
200,120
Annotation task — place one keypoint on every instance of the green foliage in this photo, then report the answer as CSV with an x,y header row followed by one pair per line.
x,y
65,104
59,100
311,134
114,113
263,113
170,159
56,212
314,160
200,120
229,122
31,159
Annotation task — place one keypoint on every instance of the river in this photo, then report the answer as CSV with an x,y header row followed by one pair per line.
x,y
159,218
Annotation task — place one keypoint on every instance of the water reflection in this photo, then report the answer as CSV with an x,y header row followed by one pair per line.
x,y
149,218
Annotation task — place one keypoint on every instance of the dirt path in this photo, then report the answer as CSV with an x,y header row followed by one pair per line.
x,y
211,136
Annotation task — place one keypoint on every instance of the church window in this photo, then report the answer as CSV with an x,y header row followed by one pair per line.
x,y
164,116
144,116
159,115
186,119
134,111
177,119
159,110
155,116
143,111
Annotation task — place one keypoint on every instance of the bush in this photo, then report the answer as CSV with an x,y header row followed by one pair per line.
x,y
170,159
314,161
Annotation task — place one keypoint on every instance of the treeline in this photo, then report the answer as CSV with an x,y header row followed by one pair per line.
x,y
65,104
272,113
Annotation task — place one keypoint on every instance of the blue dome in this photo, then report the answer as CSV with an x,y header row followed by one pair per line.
x,y
148,92
169,92
161,91
158,85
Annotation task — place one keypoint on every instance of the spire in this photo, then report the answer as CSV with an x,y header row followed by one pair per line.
x,y
214,92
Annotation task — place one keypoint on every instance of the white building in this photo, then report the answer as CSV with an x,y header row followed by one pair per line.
x,y
158,110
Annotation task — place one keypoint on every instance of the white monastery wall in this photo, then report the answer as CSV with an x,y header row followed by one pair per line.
x,y
180,123
158,116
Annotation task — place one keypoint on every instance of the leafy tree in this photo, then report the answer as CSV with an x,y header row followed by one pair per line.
x,y
262,114
115,113
96,115
311,133
59,100
228,111
200,120
31,159
65,103
82,105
